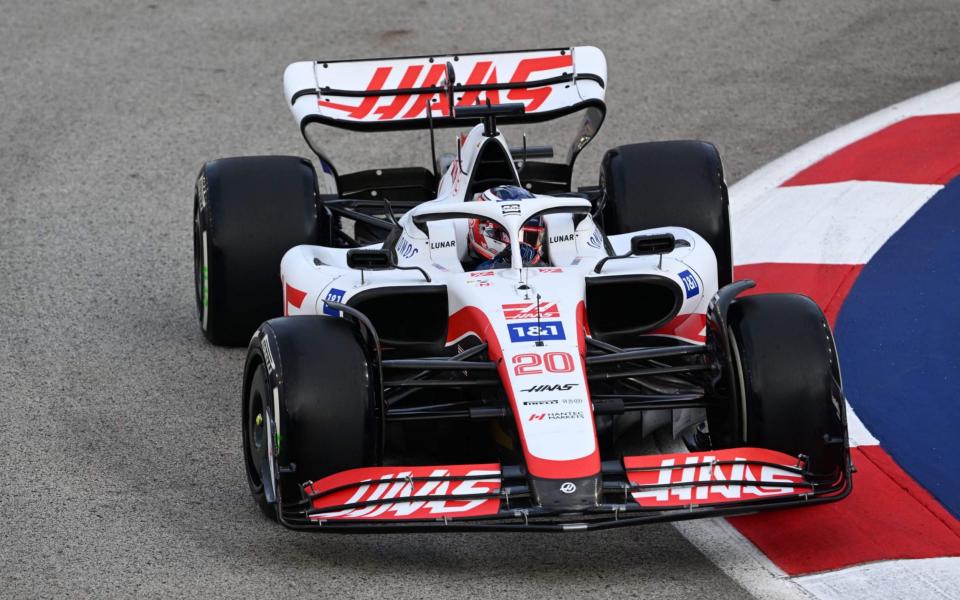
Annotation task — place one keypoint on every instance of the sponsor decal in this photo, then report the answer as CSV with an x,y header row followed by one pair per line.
x,y
689,283
557,387
532,332
443,244
481,274
334,295
536,364
421,75
528,310
716,473
267,355
406,249
420,484
552,402
562,238
510,209
568,487
202,192
596,240
550,270
556,416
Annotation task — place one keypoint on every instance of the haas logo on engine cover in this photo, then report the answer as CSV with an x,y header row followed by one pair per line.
x,y
528,310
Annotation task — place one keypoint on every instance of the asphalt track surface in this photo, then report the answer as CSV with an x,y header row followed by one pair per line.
x,y
120,473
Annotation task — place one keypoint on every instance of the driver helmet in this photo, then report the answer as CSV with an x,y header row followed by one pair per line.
x,y
488,239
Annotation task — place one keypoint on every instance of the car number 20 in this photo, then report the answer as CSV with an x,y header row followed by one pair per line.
x,y
536,364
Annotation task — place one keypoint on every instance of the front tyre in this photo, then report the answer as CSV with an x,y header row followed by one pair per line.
x,y
311,380
786,382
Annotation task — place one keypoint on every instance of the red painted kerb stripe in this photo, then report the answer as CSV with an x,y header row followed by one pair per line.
x,y
887,516
924,149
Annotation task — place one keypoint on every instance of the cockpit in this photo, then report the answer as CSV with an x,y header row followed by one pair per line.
x,y
503,228
489,242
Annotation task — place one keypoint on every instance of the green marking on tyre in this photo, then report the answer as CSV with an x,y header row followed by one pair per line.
x,y
204,291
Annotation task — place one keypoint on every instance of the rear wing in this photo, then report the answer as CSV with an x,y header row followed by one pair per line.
x,y
395,93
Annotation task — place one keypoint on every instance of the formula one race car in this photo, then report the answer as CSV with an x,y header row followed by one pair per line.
x,y
479,346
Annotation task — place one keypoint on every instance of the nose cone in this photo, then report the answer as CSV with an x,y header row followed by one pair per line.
x,y
566,494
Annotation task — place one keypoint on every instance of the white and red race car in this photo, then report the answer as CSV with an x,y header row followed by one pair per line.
x,y
476,345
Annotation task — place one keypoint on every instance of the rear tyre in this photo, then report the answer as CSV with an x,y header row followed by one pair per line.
x,y
327,420
786,380
668,184
248,211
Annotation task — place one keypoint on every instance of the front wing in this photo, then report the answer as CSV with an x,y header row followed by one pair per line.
x,y
636,490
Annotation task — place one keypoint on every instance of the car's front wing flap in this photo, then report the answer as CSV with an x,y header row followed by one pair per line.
x,y
636,489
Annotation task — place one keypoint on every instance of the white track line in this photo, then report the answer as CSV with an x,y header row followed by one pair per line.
x,y
857,432
743,562
928,578
726,547
832,223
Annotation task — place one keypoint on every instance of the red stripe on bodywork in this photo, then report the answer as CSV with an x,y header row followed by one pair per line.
x,y
583,328
472,320
476,78
295,296
536,96
689,327
409,80
924,149
363,109
887,516
827,285
431,79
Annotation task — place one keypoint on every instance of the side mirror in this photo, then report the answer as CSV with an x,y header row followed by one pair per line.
x,y
659,243
646,245
377,260
369,260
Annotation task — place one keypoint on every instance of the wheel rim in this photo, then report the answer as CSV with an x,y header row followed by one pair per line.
x,y
198,263
256,437
741,385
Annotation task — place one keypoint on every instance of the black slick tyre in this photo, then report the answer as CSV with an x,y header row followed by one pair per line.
x,y
248,211
322,396
668,184
786,379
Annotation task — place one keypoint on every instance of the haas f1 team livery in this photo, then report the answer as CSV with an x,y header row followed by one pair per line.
x,y
478,345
